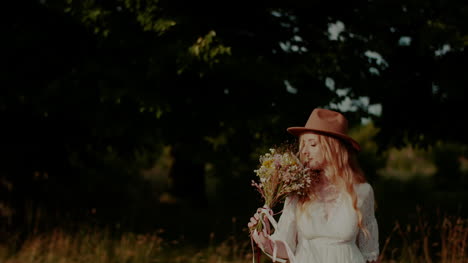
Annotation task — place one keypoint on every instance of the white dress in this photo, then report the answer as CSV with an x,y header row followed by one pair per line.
x,y
327,231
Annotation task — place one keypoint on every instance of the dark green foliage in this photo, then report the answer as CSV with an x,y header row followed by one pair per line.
x,y
92,90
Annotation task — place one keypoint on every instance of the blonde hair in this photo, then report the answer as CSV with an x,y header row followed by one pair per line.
x,y
341,168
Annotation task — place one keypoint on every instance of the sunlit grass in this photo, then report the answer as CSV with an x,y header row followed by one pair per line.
x,y
100,247
444,241
58,247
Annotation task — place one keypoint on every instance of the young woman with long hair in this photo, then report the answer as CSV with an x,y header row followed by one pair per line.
x,y
335,222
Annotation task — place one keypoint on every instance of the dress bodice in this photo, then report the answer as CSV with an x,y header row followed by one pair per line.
x,y
327,219
326,229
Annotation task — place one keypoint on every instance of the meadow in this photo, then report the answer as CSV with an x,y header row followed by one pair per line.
x,y
444,241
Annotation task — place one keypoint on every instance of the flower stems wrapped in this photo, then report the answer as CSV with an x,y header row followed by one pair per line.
x,y
280,174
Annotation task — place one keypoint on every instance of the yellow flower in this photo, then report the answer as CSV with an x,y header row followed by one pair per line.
x,y
267,163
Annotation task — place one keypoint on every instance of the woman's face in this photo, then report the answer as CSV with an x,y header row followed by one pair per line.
x,y
309,151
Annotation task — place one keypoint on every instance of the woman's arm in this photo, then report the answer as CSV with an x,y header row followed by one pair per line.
x,y
368,238
267,245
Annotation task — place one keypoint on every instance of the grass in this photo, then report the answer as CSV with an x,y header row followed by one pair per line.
x,y
100,247
439,239
443,240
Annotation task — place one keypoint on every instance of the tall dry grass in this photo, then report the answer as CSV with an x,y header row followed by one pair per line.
x,y
429,240
444,241
99,247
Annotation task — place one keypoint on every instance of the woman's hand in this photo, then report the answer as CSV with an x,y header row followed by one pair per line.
x,y
256,218
254,221
267,245
262,241
261,237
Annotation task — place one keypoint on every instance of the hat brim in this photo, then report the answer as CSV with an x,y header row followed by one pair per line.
x,y
297,131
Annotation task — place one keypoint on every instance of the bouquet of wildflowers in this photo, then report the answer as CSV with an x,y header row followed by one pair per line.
x,y
280,174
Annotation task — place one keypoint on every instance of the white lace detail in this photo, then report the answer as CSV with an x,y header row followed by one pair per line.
x,y
329,197
372,256
368,244
287,223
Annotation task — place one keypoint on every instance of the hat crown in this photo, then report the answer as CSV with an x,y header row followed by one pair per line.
x,y
327,120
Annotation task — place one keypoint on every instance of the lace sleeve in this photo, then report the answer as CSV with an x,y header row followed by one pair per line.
x,y
287,224
368,242
286,230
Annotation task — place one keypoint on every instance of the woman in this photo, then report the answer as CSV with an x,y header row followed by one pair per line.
x,y
335,223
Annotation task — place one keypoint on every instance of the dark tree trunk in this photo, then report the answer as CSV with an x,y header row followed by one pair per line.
x,y
187,176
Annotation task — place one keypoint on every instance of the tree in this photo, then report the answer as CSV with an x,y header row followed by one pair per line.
x,y
123,78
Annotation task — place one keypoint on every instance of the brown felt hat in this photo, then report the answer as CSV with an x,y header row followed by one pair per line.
x,y
326,122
